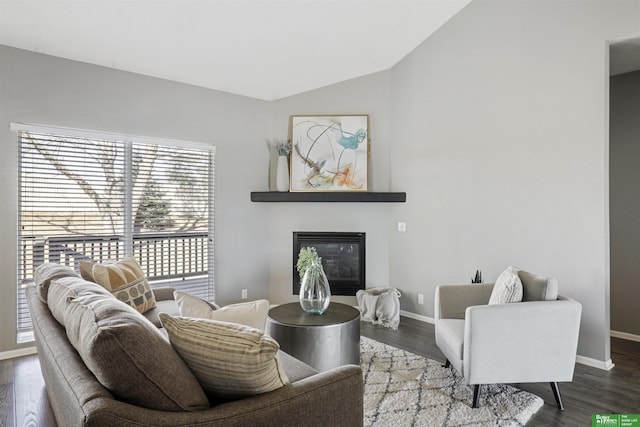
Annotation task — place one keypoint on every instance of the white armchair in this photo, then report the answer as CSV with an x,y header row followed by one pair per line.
x,y
531,341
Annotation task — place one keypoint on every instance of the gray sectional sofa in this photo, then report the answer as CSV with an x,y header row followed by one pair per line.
x,y
78,398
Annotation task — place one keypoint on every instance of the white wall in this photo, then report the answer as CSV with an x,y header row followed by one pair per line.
x,y
40,89
625,203
500,139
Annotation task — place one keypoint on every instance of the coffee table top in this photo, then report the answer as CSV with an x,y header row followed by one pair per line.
x,y
292,314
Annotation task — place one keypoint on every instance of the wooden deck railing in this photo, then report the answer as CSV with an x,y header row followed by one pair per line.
x,y
172,259
161,255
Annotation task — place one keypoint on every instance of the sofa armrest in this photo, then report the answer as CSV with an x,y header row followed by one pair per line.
x,y
541,338
451,301
164,293
339,390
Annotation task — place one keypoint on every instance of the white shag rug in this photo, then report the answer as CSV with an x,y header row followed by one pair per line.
x,y
404,389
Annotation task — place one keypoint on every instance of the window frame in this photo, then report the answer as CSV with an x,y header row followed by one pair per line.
x,y
128,141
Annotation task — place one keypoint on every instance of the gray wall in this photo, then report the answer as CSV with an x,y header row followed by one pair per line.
x,y
496,127
500,139
366,95
624,173
40,89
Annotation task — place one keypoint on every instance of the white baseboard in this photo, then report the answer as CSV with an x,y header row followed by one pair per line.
x,y
17,353
594,363
417,317
625,336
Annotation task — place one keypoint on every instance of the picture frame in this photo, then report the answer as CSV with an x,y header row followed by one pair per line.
x,y
329,153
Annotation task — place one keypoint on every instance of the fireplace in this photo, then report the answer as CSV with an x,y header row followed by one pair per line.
x,y
343,259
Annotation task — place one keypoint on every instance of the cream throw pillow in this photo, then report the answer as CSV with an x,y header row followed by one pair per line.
x,y
252,313
508,288
126,281
228,359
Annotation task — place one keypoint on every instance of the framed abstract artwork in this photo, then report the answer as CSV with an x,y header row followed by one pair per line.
x,y
329,153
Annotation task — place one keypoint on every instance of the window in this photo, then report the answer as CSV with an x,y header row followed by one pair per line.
x,y
89,196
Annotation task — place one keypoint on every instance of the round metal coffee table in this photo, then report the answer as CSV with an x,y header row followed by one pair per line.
x,y
321,341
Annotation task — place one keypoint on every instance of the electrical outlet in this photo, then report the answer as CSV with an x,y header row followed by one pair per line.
x,y
244,294
421,299
402,227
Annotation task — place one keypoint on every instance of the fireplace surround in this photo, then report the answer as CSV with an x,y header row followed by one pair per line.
x,y
343,259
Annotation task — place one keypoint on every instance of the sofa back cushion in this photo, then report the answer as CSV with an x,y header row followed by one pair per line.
x,y
62,290
538,288
47,272
128,355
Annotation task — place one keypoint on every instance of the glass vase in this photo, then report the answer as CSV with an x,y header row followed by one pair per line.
x,y
315,294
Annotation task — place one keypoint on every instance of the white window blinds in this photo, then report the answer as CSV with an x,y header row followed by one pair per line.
x,y
101,198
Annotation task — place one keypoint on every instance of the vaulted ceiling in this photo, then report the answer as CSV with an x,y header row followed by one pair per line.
x,y
266,49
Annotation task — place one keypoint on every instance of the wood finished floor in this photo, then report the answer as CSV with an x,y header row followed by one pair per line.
x,y
593,391
23,399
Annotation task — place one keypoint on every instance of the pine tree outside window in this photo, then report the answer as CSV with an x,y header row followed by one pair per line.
x,y
88,196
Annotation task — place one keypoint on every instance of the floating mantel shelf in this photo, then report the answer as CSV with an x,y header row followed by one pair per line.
x,y
338,196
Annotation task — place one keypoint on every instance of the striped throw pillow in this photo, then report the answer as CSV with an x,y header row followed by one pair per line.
x,y
126,281
229,360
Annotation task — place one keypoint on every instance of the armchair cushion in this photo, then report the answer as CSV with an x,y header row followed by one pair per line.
x,y
508,288
538,288
450,339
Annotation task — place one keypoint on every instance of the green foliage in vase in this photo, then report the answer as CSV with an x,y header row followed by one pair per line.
x,y
306,258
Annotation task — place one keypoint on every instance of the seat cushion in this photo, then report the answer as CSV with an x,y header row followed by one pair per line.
x,y
230,360
538,288
162,306
295,369
450,338
129,356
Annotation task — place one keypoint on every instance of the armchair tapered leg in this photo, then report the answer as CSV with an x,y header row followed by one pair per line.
x,y
476,395
556,394
447,363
